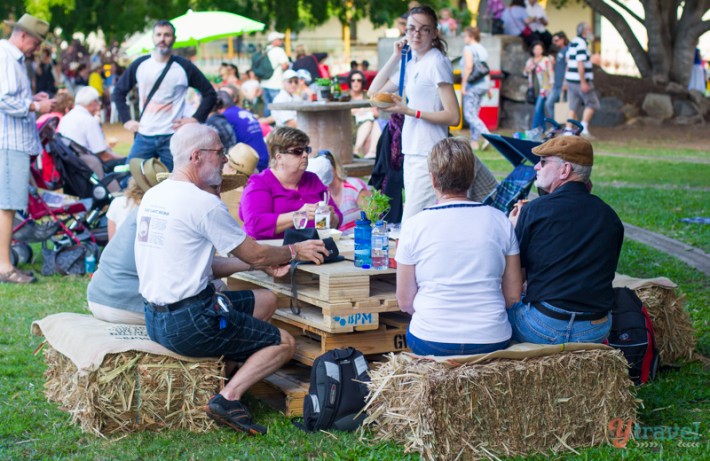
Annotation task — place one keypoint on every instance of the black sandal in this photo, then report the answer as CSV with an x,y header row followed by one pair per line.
x,y
237,417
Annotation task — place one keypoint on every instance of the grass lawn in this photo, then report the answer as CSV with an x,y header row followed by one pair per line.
x,y
31,428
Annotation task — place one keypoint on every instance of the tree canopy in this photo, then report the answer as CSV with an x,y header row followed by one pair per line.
x,y
118,19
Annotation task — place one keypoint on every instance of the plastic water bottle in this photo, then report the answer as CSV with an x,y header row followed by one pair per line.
x,y
322,216
89,263
363,243
380,246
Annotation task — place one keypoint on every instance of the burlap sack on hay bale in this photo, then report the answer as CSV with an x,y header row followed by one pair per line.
x,y
675,335
112,378
501,406
134,391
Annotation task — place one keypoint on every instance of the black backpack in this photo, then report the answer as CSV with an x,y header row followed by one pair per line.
x,y
632,333
337,391
261,64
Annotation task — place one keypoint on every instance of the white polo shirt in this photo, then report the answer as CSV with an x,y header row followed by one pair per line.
x,y
423,75
84,129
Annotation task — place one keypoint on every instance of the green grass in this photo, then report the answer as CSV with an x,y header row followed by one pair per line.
x,y
646,151
33,429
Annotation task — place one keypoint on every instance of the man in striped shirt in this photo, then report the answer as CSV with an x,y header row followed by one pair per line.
x,y
579,76
18,133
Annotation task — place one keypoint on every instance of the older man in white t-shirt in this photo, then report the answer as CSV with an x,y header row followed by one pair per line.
x,y
279,61
181,223
81,126
287,94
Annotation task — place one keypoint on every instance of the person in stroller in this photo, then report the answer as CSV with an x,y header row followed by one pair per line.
x,y
82,127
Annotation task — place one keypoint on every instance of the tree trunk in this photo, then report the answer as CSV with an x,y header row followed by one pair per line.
x,y
671,40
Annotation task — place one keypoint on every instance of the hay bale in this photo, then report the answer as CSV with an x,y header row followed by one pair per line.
x,y
675,335
500,408
134,391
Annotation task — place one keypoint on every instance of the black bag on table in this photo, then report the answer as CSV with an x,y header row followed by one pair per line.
x,y
337,392
301,235
632,333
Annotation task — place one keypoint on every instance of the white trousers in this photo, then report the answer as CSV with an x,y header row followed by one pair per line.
x,y
418,191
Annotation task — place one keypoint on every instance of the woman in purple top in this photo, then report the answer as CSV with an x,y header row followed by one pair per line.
x,y
271,197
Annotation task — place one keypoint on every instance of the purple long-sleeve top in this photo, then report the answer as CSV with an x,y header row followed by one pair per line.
x,y
264,199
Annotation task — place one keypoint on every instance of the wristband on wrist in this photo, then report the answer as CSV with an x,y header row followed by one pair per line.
x,y
418,114
292,249
35,106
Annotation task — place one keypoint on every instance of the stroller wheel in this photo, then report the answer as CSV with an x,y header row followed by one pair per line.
x,y
23,252
14,258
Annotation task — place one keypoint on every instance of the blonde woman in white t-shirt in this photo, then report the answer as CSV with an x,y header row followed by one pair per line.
x,y
430,105
457,278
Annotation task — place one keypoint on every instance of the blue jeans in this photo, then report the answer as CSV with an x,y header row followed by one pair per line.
x,y
551,100
152,146
532,326
424,347
539,114
268,96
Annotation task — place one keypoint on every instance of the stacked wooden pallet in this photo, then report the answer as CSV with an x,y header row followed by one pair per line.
x,y
340,305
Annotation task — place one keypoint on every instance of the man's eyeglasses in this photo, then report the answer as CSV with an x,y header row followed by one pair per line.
x,y
293,80
298,151
220,152
545,161
421,31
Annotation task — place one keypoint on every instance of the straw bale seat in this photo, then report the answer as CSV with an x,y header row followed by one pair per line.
x,y
113,379
675,335
526,399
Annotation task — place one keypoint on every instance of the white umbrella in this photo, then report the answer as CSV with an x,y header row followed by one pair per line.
x,y
193,28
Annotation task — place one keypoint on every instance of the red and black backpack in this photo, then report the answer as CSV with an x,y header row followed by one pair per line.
x,y
632,333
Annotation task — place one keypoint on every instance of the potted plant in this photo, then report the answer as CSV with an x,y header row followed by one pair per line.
x,y
376,206
324,90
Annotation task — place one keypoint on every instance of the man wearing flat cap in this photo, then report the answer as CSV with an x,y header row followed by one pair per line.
x,y
18,133
570,242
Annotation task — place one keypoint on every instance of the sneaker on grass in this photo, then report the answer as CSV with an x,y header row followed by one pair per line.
x,y
234,414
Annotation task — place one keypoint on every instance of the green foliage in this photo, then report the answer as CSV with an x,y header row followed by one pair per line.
x,y
376,206
323,82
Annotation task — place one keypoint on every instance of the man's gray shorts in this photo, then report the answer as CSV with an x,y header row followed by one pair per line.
x,y
14,179
590,100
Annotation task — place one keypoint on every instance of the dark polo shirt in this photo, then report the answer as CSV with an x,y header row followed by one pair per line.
x,y
570,242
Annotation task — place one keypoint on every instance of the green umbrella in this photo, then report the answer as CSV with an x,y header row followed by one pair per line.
x,y
193,28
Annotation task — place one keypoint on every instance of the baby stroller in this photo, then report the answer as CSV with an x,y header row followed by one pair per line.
x,y
57,222
516,186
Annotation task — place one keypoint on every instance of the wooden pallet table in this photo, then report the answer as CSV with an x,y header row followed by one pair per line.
x,y
311,342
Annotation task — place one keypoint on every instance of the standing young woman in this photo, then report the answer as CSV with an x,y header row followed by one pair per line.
x,y
540,73
473,92
429,106
367,130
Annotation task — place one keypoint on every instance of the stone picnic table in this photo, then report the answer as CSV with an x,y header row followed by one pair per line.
x,y
328,124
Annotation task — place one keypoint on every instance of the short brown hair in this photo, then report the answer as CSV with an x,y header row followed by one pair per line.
x,y
285,137
473,32
64,102
451,163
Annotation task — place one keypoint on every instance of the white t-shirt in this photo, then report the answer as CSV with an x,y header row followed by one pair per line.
x,y
536,11
179,229
277,56
283,116
423,76
169,101
119,209
84,129
459,255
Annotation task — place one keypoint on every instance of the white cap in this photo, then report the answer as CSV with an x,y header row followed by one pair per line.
x,y
289,74
322,167
274,36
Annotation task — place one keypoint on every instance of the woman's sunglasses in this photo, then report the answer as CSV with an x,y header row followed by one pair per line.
x,y
298,151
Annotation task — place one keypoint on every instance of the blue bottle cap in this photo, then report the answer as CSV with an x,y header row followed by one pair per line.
x,y
365,266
